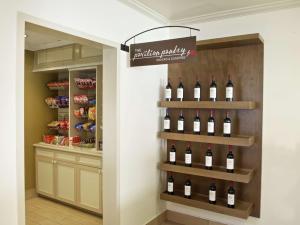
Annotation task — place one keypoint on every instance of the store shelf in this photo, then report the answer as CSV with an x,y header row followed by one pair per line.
x,y
245,141
241,210
239,175
208,104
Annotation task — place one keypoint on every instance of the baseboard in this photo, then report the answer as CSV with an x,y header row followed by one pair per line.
x,y
30,193
159,219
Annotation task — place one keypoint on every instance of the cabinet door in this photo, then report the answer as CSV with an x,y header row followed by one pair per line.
x,y
65,181
90,188
45,176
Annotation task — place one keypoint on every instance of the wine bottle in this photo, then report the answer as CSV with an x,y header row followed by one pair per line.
x,y
212,194
170,185
208,158
188,156
180,123
213,90
180,90
168,92
197,124
211,124
227,126
172,155
188,189
197,91
231,197
229,90
167,122
230,161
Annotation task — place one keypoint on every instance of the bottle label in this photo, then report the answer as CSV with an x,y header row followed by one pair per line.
x,y
166,124
229,92
197,92
212,92
180,125
208,161
170,186
188,158
172,156
180,93
168,93
210,127
212,195
187,190
227,128
196,126
230,164
230,199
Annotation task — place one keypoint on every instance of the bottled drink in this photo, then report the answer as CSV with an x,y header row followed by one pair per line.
x,y
229,90
197,124
211,124
180,123
180,91
170,185
208,158
168,92
167,122
227,126
188,189
212,194
213,90
188,156
172,155
230,161
231,197
197,91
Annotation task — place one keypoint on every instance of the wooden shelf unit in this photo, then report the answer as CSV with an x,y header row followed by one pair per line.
x,y
245,141
208,104
239,175
241,210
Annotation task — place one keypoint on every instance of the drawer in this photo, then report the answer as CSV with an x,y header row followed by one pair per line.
x,y
45,153
89,161
65,157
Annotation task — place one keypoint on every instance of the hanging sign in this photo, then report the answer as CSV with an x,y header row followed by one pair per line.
x,y
162,52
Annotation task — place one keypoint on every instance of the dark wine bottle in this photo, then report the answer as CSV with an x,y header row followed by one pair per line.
x,y
180,123
172,155
188,156
188,189
197,91
227,126
229,90
180,90
212,194
170,189
230,161
197,124
208,158
213,90
167,122
231,197
211,124
168,92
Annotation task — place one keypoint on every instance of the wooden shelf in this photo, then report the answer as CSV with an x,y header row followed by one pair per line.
x,y
241,210
239,175
245,141
208,104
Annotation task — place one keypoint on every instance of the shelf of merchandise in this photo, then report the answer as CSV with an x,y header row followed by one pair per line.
x,y
241,210
218,172
245,141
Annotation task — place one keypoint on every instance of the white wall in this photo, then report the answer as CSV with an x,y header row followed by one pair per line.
x,y
102,19
281,122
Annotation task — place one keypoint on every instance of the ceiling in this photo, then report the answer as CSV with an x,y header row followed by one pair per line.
x,y
188,11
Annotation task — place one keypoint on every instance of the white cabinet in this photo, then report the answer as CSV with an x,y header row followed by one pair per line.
x,y
45,176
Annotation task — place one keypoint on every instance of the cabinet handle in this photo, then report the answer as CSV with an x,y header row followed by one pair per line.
x,y
54,161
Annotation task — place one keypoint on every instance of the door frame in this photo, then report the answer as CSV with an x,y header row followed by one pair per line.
x,y
111,115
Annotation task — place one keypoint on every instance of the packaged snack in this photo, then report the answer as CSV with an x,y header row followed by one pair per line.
x,y
86,126
79,126
92,113
81,99
48,139
92,128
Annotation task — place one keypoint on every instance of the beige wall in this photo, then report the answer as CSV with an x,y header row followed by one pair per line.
x,y
37,114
